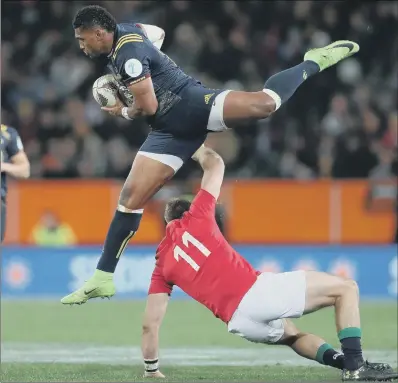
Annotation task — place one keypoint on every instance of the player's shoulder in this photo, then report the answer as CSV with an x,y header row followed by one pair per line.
x,y
130,40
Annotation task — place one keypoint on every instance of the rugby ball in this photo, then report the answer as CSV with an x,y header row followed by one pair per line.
x,y
105,91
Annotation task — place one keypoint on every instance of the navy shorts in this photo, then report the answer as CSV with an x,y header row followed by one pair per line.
x,y
169,149
189,118
178,134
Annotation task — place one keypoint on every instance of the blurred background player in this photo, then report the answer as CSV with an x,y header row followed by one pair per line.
x,y
14,163
195,256
179,109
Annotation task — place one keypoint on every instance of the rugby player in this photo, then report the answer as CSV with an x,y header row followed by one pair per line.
x,y
254,305
180,111
14,162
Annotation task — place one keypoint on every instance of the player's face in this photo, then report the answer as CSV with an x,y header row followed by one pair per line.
x,y
91,41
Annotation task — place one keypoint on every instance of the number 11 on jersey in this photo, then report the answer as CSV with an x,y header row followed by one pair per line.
x,y
186,239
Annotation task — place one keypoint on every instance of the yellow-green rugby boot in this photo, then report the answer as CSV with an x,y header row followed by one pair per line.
x,y
331,54
100,285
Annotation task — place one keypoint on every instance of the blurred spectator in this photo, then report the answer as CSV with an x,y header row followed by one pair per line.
x,y
51,232
334,127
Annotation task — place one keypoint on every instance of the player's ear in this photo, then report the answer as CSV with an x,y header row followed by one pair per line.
x,y
99,34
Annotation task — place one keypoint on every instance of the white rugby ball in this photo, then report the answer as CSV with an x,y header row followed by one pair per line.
x,y
105,91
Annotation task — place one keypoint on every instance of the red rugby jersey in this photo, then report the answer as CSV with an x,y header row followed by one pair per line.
x,y
196,257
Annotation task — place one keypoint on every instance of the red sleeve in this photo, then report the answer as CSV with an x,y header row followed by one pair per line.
x,y
203,205
158,283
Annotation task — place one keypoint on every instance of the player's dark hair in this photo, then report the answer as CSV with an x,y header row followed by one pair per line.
x,y
175,209
94,16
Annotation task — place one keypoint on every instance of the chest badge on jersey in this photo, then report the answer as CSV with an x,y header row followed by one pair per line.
x,y
133,67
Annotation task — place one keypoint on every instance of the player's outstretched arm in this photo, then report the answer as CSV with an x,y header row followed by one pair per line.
x,y
213,170
154,313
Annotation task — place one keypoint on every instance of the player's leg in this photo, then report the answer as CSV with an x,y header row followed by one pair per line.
x,y
324,290
290,295
284,332
310,346
231,107
157,161
146,177
272,297
313,347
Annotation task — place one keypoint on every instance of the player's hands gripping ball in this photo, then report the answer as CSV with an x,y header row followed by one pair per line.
x,y
107,93
115,110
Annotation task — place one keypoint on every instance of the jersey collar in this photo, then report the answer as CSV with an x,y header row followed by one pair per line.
x,y
115,38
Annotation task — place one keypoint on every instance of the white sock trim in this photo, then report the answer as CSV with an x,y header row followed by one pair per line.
x,y
275,97
151,365
123,209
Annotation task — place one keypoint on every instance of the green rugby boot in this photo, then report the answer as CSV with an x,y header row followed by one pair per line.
x,y
332,54
100,285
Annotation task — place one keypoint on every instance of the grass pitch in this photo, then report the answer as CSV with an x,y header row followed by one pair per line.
x,y
99,341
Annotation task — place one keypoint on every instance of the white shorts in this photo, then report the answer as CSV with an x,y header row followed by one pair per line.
x,y
258,317
216,117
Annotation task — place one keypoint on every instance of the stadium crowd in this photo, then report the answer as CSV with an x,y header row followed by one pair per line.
x,y
342,123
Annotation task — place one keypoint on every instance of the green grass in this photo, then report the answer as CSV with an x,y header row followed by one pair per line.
x,y
187,325
101,373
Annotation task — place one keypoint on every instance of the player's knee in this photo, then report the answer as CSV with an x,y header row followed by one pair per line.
x,y
262,105
290,333
147,329
130,198
344,286
351,286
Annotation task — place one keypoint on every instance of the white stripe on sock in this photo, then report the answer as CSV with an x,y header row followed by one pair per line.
x,y
275,97
123,209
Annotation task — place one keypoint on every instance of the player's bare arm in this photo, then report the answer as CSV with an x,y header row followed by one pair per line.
x,y
145,102
154,313
213,170
19,167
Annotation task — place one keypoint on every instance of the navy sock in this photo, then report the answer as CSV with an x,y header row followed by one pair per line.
x,y
121,230
285,83
334,359
350,339
328,356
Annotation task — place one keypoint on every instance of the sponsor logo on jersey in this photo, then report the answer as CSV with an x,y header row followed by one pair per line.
x,y
208,97
4,131
133,67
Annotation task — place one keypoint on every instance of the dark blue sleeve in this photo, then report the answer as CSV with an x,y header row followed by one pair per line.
x,y
133,60
14,145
